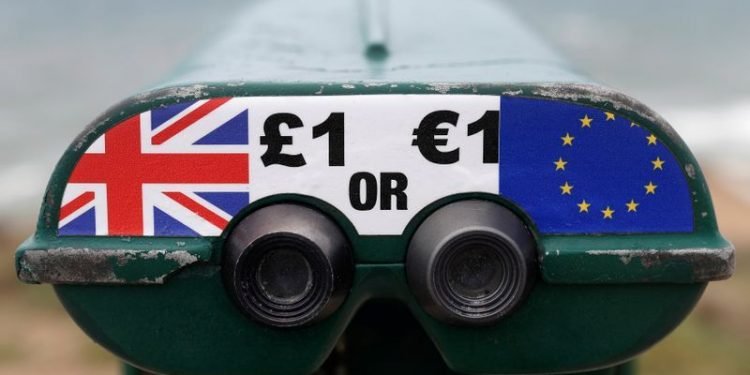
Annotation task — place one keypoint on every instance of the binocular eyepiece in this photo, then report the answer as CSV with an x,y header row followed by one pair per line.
x,y
287,265
470,262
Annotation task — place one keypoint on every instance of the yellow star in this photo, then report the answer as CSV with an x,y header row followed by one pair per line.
x,y
560,164
651,139
608,212
583,206
632,206
585,121
650,188
610,116
658,163
567,140
632,124
566,189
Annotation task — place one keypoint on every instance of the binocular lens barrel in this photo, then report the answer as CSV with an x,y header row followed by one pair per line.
x,y
471,262
284,276
287,265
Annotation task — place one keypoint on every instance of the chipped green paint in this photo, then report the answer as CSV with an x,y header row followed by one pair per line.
x,y
123,261
384,249
666,258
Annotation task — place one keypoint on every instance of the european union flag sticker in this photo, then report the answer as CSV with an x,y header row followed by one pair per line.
x,y
579,170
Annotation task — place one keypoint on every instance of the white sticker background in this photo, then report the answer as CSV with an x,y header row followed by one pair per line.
x,y
378,138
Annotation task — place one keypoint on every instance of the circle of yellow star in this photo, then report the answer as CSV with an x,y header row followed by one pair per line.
x,y
650,188
567,140
585,121
560,164
651,139
658,163
610,116
632,206
608,212
583,206
566,189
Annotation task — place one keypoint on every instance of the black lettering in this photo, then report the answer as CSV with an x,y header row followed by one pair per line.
x,y
389,190
355,191
275,141
425,137
334,127
489,123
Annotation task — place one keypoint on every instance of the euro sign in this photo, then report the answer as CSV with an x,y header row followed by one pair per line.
x,y
425,137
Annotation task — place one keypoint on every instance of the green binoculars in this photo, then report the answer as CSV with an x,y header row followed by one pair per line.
x,y
367,187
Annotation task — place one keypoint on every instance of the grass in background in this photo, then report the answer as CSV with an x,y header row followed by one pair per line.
x,y
697,347
36,335
715,338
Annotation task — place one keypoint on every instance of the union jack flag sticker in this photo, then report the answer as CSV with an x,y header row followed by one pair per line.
x,y
182,170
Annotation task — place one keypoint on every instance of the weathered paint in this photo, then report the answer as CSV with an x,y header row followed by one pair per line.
x,y
651,259
124,261
99,266
374,249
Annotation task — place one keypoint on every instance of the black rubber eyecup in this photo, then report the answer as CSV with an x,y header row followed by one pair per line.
x,y
471,262
287,265
284,279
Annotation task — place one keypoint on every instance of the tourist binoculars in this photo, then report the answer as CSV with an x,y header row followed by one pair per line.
x,y
368,187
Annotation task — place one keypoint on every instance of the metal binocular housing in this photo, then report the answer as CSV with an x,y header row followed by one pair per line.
x,y
419,186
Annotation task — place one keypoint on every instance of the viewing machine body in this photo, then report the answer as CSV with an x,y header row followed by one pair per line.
x,y
424,183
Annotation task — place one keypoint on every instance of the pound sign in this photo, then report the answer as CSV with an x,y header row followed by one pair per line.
x,y
275,141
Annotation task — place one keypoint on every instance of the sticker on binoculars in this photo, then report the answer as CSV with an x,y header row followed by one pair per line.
x,y
186,169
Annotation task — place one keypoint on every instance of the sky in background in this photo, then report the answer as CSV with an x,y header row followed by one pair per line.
x,y
62,63
687,60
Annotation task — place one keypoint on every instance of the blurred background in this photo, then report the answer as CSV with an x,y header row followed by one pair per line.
x,y
63,63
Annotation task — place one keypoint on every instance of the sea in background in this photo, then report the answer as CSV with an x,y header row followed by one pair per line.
x,y
63,62
687,60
